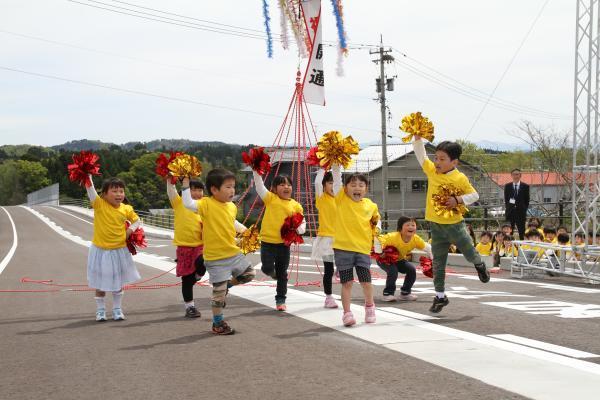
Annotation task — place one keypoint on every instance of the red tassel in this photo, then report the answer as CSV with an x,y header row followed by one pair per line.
x,y
426,266
312,159
258,160
288,229
84,164
389,256
137,239
162,163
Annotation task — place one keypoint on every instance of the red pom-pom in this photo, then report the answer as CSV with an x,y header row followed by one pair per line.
x,y
137,239
84,164
162,165
389,256
288,229
313,159
258,160
426,266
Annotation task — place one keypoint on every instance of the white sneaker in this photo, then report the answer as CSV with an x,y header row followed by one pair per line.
x,y
407,297
389,297
118,314
100,315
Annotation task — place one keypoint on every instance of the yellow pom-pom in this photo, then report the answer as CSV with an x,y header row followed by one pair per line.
x,y
185,165
335,149
417,124
440,198
249,240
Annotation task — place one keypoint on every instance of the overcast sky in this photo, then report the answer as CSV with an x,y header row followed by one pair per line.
x,y
471,42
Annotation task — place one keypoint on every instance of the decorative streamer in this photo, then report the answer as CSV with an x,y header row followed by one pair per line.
x,y
339,70
339,22
284,25
298,28
268,28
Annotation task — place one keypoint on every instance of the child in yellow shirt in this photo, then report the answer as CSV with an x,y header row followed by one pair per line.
x,y
484,247
353,240
405,240
446,230
322,247
188,239
550,234
274,254
110,264
225,263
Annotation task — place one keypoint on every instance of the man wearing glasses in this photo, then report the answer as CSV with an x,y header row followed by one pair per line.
x,y
516,201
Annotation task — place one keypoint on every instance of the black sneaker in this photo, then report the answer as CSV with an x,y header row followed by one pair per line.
x,y
222,329
484,275
192,312
438,304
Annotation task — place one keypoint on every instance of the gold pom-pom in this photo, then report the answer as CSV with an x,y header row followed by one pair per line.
x,y
440,198
335,149
417,124
374,228
249,240
185,165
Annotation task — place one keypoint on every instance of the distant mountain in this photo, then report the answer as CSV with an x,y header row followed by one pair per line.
x,y
173,144
83,144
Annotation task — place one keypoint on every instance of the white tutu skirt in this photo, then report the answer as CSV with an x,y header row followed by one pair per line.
x,y
322,249
110,270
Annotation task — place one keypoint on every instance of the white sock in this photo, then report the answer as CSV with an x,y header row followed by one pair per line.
x,y
441,295
99,303
117,297
189,304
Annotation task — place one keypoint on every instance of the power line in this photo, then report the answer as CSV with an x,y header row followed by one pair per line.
x,y
507,67
171,98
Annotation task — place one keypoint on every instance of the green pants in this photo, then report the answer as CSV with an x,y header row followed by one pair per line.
x,y
442,236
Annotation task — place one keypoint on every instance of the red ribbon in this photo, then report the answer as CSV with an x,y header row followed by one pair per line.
x,y
137,239
288,229
84,164
258,160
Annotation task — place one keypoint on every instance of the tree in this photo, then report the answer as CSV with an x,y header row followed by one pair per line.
x,y
20,177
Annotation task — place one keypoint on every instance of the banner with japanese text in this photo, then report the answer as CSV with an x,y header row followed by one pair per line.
x,y
314,80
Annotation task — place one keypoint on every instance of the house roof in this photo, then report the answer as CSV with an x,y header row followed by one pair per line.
x,y
370,159
538,178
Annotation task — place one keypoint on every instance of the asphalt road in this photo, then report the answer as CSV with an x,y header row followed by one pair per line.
x,y
52,348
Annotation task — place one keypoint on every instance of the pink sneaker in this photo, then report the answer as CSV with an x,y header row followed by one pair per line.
x,y
370,314
407,297
330,302
348,319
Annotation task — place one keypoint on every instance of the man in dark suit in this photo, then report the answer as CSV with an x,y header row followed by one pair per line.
x,y
516,201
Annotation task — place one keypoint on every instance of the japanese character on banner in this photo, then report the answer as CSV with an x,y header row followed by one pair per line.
x,y
314,78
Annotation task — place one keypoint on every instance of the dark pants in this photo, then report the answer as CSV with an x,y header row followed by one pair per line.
x,y
188,281
518,220
392,271
327,277
275,260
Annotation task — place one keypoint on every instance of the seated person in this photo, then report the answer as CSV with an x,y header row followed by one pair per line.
x,y
549,234
484,247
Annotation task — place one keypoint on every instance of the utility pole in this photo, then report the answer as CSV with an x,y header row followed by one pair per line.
x,y
383,84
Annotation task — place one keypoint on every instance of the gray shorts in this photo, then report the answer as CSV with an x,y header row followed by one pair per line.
x,y
349,259
226,268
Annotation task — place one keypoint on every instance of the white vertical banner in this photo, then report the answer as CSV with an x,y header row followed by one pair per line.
x,y
314,79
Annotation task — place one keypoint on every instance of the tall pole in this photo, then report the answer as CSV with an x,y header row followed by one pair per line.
x,y
382,86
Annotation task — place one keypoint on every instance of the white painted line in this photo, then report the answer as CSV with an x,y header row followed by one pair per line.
x,y
542,285
74,216
11,252
520,369
545,346
406,313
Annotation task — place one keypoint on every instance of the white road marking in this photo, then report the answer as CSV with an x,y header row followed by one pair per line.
x,y
542,285
520,369
545,346
549,307
407,313
68,213
12,249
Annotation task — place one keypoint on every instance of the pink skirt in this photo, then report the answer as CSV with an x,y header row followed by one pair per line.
x,y
186,257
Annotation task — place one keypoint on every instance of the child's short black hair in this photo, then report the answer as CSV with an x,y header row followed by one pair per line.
x,y
216,177
356,177
404,219
509,237
562,238
506,225
562,227
280,179
112,183
532,233
580,235
196,184
486,233
534,221
549,229
453,149
328,177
